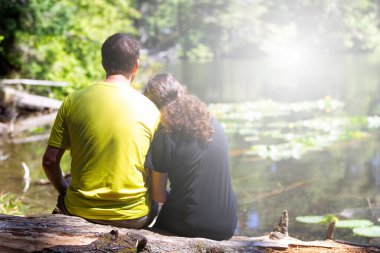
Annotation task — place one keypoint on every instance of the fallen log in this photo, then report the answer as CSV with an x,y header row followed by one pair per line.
x,y
59,233
34,122
32,82
28,139
19,99
21,126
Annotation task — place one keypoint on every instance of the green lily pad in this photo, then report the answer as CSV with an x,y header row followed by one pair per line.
x,y
353,223
311,219
372,231
317,219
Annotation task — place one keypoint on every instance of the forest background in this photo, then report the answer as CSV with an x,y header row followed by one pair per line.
x,y
60,40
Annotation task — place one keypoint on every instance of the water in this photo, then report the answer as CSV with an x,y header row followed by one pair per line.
x,y
333,171
339,177
352,79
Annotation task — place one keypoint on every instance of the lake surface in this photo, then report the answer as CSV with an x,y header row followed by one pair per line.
x,y
304,136
299,136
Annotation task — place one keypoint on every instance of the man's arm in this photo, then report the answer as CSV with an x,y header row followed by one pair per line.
x,y
158,186
50,163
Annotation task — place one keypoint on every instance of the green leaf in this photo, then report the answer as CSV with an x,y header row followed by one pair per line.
x,y
353,223
330,218
372,231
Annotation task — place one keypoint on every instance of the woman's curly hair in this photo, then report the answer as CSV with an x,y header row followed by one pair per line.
x,y
181,112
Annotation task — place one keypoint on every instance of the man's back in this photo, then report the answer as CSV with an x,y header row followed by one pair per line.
x,y
108,128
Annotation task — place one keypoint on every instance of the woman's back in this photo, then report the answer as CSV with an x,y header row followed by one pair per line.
x,y
192,150
201,200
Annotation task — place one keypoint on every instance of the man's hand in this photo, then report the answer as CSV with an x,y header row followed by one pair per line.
x,y
50,163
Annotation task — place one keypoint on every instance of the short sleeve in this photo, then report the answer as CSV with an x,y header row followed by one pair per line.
x,y
159,153
59,134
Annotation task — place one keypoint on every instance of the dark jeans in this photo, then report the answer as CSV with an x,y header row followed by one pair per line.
x,y
141,222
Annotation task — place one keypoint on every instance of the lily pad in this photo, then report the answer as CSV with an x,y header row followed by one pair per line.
x,y
353,223
311,219
372,231
317,219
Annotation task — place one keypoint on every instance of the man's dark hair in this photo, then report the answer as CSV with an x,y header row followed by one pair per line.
x,y
120,53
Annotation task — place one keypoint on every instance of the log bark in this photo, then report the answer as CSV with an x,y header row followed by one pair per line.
x,y
59,233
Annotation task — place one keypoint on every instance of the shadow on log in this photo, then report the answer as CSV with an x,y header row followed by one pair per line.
x,y
59,233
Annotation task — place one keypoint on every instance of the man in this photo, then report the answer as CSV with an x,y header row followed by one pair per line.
x,y
108,127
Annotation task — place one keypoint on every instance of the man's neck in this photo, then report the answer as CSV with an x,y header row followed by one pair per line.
x,y
118,79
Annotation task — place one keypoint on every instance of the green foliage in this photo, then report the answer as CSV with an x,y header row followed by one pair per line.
x,y
11,204
229,27
360,227
191,24
200,52
60,40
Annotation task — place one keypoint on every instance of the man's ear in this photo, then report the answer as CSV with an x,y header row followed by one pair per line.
x,y
135,68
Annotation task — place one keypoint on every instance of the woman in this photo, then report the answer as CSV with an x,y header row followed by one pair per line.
x,y
191,149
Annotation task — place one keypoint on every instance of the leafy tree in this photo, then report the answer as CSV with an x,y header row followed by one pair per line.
x,y
11,13
225,27
189,23
60,40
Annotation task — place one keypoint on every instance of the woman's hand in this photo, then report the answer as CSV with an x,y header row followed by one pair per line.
x,y
158,186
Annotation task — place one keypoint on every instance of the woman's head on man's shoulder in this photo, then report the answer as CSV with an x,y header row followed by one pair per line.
x,y
181,112
163,88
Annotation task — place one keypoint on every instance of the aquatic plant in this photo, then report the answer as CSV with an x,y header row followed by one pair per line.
x,y
360,227
11,204
317,219
353,223
372,231
280,131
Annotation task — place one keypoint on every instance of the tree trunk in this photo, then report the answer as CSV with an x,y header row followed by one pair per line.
x,y
59,233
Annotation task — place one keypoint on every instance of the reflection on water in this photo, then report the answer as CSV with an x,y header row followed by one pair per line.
x,y
39,199
342,177
324,182
354,79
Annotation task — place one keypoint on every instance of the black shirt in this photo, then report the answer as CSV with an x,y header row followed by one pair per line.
x,y
201,202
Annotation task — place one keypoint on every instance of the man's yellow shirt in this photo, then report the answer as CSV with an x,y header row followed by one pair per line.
x,y
108,129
